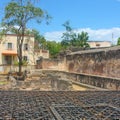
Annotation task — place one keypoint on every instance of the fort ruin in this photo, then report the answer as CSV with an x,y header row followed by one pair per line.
x,y
96,67
47,93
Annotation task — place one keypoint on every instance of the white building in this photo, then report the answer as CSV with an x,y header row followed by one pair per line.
x,y
8,50
99,44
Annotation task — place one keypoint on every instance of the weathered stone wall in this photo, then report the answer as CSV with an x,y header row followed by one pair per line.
x,y
104,62
51,64
97,67
37,81
93,80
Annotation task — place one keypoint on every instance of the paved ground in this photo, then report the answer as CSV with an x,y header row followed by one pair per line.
x,y
35,105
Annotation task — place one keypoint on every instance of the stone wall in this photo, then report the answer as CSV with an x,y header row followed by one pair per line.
x,y
96,67
92,80
38,80
104,62
53,64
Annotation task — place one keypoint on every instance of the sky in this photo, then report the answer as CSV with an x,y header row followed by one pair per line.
x,y
100,18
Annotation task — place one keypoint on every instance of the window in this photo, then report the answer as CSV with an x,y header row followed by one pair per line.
x,y
8,60
25,46
9,47
97,45
25,58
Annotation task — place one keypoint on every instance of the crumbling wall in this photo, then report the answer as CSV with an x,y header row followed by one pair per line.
x,y
107,83
105,62
53,64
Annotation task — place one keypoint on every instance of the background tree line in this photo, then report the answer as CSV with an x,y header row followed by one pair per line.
x,y
69,39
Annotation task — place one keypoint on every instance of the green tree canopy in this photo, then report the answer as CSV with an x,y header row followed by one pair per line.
x,y
54,48
72,39
39,39
67,35
81,40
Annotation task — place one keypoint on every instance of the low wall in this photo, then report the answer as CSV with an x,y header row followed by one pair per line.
x,y
53,64
104,62
97,81
4,69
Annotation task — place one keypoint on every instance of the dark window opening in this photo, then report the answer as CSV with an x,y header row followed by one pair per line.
x,y
25,46
25,58
9,47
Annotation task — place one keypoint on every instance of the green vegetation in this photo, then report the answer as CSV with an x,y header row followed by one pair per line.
x,y
68,36
23,62
72,39
41,43
69,39
54,48
118,42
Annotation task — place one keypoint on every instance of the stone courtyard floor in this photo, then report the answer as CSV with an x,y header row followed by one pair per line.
x,y
59,105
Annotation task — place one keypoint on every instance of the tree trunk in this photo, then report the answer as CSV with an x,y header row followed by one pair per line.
x,y
20,39
20,67
20,57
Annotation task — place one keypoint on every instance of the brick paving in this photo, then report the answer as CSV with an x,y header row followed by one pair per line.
x,y
59,105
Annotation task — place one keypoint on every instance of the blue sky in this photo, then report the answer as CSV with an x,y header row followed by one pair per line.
x,y
100,18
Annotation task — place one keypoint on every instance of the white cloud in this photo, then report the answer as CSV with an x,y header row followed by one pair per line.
x,y
95,35
55,35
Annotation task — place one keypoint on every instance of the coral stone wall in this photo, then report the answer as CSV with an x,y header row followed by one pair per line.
x,y
104,62
92,80
53,64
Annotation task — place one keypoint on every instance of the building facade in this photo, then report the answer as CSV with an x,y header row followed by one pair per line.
x,y
8,50
99,44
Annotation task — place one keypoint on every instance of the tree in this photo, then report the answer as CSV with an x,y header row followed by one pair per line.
x,y
72,39
18,13
39,40
54,48
67,36
118,41
81,40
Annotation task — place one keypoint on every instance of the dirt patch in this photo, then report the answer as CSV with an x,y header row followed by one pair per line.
x,y
79,88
